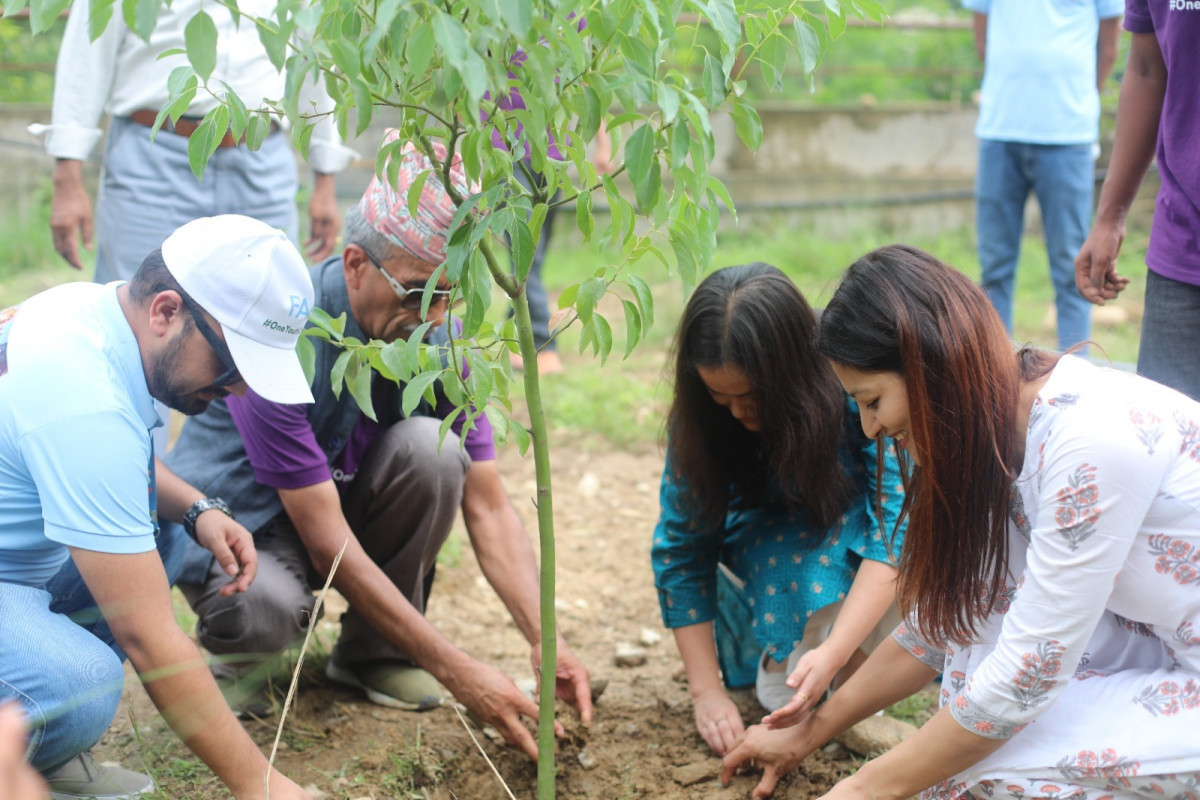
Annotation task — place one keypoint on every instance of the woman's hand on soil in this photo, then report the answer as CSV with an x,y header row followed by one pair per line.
x,y
811,677
775,752
718,720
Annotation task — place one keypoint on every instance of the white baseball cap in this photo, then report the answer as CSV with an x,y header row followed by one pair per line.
x,y
253,281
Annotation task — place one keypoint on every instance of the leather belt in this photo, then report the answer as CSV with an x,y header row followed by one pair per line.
x,y
185,127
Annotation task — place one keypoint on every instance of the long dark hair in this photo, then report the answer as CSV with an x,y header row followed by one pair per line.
x,y
899,309
754,318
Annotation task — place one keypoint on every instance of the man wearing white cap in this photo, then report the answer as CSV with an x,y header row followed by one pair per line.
x,y
307,479
217,310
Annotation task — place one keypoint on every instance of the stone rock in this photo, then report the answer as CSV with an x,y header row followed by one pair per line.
x,y
649,638
835,750
629,655
316,793
589,485
875,735
690,774
586,759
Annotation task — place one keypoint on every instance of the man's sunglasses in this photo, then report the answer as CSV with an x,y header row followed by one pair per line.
x,y
231,375
411,297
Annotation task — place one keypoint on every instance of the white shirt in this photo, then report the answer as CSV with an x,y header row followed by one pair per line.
x,y
120,73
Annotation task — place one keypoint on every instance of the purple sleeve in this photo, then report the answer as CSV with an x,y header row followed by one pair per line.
x,y
1137,17
280,442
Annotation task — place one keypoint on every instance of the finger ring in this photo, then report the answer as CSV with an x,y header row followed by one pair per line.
x,y
802,696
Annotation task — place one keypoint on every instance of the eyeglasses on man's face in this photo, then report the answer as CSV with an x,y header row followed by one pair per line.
x,y
412,296
231,375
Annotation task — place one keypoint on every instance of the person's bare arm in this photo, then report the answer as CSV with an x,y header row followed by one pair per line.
x,y
1138,111
229,542
502,548
70,211
316,512
132,593
717,717
1106,49
979,28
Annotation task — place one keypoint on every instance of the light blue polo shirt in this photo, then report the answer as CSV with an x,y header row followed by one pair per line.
x,y
1039,82
76,460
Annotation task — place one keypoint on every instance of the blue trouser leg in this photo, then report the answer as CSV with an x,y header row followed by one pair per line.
x,y
1170,330
68,681
535,290
1001,188
147,190
1063,181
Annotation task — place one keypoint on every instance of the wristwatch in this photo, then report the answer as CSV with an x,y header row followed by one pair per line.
x,y
199,507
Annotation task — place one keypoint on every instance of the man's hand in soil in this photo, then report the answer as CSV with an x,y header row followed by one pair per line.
x,y
718,720
494,699
776,752
572,683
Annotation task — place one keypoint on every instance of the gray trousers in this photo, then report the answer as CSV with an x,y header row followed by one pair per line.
x,y
400,505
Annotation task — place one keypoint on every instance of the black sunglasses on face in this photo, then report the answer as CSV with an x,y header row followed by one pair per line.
x,y
410,298
231,375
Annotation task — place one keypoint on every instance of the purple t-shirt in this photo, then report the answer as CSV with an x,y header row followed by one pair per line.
x,y
1174,245
284,452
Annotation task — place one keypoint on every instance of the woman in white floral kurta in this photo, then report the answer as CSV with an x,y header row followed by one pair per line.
x,y
1082,679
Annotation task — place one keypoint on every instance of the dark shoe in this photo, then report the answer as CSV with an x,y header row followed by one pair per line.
x,y
82,777
248,697
390,683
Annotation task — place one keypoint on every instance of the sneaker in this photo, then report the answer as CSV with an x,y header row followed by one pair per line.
x,y
82,777
390,683
248,697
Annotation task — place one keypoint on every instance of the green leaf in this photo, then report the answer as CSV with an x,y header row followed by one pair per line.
x,y
668,102
274,41
566,298
140,16
714,81
603,337
206,138
748,125
306,353
639,151
44,13
680,144
521,434
583,215
808,43
99,13
836,19
643,295
257,129
320,318
385,12
364,104
414,192
724,19
522,248
239,116
419,386
418,50
358,380
648,191
717,189
518,16
338,373
200,37
181,88
590,292
633,327
447,423
499,423
390,354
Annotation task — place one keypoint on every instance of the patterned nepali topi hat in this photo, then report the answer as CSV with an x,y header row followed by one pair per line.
x,y
385,207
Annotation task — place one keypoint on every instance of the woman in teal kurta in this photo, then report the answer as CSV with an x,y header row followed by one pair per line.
x,y
769,522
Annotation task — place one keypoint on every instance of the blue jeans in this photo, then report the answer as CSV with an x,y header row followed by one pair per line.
x,y
59,661
1062,177
1170,330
